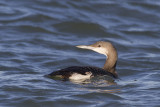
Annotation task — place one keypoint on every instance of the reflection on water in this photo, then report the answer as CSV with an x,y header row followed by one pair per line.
x,y
97,81
103,90
99,85
96,84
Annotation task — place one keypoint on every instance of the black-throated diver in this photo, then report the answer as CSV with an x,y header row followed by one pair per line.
x,y
86,72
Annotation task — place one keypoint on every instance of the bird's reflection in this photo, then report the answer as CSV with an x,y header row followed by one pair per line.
x,y
96,84
99,84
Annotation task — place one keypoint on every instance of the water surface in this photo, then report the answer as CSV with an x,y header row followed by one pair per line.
x,y
38,37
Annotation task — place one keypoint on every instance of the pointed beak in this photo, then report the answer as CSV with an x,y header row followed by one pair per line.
x,y
85,47
96,49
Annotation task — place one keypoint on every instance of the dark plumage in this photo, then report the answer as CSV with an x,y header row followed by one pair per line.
x,y
84,70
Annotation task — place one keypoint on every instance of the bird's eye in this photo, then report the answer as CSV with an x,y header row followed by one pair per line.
x,y
99,45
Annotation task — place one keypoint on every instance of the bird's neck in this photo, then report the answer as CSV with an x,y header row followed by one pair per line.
x,y
110,64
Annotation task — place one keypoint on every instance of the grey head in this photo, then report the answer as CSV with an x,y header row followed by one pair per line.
x,y
102,47
107,49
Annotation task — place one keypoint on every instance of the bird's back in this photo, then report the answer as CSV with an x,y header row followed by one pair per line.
x,y
80,70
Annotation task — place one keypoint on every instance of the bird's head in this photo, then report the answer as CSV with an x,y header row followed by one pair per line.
x,y
101,47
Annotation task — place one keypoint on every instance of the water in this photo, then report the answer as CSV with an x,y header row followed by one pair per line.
x,y
38,37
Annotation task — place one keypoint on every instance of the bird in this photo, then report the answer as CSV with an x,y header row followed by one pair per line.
x,y
87,72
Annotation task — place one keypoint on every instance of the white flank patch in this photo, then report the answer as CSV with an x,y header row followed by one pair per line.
x,y
77,76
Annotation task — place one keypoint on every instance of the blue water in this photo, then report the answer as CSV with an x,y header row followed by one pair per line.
x,y
39,37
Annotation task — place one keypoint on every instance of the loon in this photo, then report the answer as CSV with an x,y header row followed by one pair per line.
x,y
87,72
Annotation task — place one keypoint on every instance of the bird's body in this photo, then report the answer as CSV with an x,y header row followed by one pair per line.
x,y
81,71
86,72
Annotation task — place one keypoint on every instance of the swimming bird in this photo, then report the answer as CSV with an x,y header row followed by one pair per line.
x,y
87,72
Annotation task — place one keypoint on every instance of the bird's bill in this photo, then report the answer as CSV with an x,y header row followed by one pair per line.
x,y
85,47
96,49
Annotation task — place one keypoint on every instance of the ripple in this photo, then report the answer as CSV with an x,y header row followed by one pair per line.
x,y
16,13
